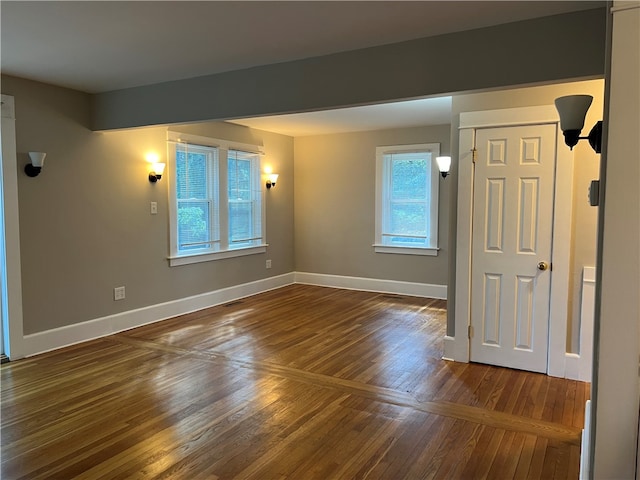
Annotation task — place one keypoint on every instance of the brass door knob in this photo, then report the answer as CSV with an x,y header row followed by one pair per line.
x,y
542,266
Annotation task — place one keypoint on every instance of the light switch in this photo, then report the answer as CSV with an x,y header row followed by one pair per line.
x,y
154,208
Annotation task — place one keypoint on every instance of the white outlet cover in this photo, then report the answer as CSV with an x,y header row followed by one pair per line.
x,y
119,293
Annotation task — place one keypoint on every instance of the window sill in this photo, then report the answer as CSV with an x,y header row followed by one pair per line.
x,y
211,256
432,252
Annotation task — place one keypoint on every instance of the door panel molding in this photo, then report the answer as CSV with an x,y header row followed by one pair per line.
x,y
523,206
457,347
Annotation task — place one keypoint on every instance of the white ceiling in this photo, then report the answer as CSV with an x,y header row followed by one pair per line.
x,y
97,46
427,111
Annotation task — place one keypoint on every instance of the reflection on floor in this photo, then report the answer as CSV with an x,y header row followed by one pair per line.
x,y
301,382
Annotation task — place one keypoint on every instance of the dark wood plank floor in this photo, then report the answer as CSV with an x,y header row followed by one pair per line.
x,y
298,383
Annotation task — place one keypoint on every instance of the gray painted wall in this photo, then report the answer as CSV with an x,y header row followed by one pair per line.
x,y
85,225
546,49
335,183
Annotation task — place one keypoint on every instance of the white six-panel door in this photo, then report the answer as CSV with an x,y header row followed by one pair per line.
x,y
512,235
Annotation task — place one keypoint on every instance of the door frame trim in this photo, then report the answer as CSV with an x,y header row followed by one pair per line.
x,y
13,322
459,345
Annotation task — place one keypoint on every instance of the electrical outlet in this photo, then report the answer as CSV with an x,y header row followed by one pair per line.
x,y
154,208
118,293
268,263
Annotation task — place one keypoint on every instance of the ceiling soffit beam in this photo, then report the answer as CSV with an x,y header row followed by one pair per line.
x,y
542,50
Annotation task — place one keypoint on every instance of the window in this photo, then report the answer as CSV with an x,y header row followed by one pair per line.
x,y
245,212
215,199
407,199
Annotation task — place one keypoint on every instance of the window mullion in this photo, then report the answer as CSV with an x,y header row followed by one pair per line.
x,y
386,193
223,206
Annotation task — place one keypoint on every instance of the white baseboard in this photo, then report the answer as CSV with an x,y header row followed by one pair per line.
x,y
100,327
577,367
373,285
449,348
585,446
572,363
580,366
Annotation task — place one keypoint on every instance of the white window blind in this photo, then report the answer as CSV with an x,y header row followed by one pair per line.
x,y
197,194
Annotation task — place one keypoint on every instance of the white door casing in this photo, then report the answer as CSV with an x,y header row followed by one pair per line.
x,y
12,330
457,347
512,234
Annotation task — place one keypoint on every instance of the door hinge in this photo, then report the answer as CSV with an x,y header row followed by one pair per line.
x,y
474,155
470,332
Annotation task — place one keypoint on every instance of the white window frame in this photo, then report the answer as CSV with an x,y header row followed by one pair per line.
x,y
222,249
383,180
255,188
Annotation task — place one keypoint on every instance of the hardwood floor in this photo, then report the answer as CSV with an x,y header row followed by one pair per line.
x,y
298,383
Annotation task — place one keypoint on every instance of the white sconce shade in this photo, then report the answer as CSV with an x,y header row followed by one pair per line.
x,y
157,169
573,110
444,164
37,162
273,178
37,158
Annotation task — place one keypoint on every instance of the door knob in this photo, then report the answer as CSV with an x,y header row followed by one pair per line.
x,y
542,266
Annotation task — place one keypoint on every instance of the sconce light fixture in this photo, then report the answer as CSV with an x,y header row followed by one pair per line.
x,y
444,164
271,181
157,168
156,172
37,161
573,110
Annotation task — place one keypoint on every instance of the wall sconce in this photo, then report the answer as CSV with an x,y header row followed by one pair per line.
x,y
271,181
157,168
37,161
573,110
444,164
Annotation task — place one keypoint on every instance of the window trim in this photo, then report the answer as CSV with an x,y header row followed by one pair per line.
x,y
175,258
175,261
382,175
